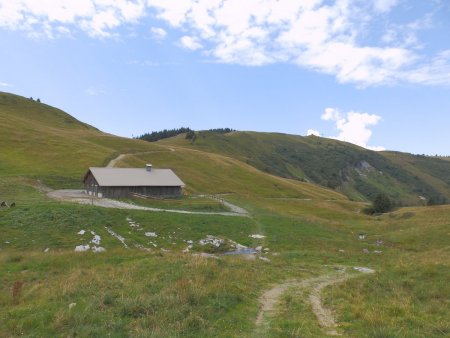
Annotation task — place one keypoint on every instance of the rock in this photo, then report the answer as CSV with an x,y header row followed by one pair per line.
x,y
361,237
81,232
265,259
185,250
363,270
257,236
341,250
266,249
366,251
81,248
72,305
47,250
258,248
379,242
377,252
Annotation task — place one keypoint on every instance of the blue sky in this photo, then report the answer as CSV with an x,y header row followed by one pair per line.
x,y
375,73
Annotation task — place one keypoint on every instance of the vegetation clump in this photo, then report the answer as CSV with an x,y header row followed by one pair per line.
x,y
381,204
159,135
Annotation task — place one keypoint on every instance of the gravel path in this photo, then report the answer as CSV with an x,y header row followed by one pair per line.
x,y
114,161
78,196
270,299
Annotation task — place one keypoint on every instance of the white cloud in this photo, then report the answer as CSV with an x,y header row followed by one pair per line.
x,y
190,42
5,84
384,5
158,33
312,132
329,37
353,127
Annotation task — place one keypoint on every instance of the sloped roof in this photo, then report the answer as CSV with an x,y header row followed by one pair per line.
x,y
135,177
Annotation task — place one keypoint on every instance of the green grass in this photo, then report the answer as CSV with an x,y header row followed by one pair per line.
x,y
167,293
330,163
190,203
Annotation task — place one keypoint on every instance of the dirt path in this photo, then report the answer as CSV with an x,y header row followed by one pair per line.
x,y
114,161
270,299
78,196
119,158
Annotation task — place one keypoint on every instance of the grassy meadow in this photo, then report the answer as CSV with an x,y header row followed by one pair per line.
x,y
147,284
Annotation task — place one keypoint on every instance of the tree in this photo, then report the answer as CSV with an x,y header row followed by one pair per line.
x,y
381,204
190,135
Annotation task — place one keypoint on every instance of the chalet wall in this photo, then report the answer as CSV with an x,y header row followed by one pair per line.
x,y
157,192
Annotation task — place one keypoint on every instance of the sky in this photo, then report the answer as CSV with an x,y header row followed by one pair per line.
x,y
374,73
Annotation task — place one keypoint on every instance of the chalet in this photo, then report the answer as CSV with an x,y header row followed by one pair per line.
x,y
125,182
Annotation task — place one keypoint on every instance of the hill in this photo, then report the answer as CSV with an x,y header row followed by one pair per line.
x,y
38,140
156,276
357,172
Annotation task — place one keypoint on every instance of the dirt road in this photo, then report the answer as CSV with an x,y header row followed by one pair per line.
x,y
78,196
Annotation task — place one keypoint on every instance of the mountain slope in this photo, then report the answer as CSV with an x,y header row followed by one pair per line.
x,y
357,172
46,143
39,140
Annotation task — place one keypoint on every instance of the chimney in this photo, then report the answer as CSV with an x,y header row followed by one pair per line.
x,y
148,167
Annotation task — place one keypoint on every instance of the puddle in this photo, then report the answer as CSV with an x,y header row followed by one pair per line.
x,y
246,251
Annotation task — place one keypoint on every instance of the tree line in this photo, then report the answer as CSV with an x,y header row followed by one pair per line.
x,y
190,134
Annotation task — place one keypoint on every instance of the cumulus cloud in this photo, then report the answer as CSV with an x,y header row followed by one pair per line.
x,y
353,127
312,132
329,37
190,42
158,33
5,84
384,5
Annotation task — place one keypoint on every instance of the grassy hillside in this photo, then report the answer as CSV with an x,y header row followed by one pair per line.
x,y
38,140
151,287
359,173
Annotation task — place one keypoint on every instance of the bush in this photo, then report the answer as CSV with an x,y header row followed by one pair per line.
x,y
381,204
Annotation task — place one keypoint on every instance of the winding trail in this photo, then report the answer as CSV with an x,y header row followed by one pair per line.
x,y
79,196
120,157
270,299
114,161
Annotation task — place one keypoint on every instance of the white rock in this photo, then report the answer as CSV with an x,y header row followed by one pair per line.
x,y
72,305
82,248
266,249
257,236
240,246
81,232
151,234
47,250
363,270
98,249
265,259
96,240
258,248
